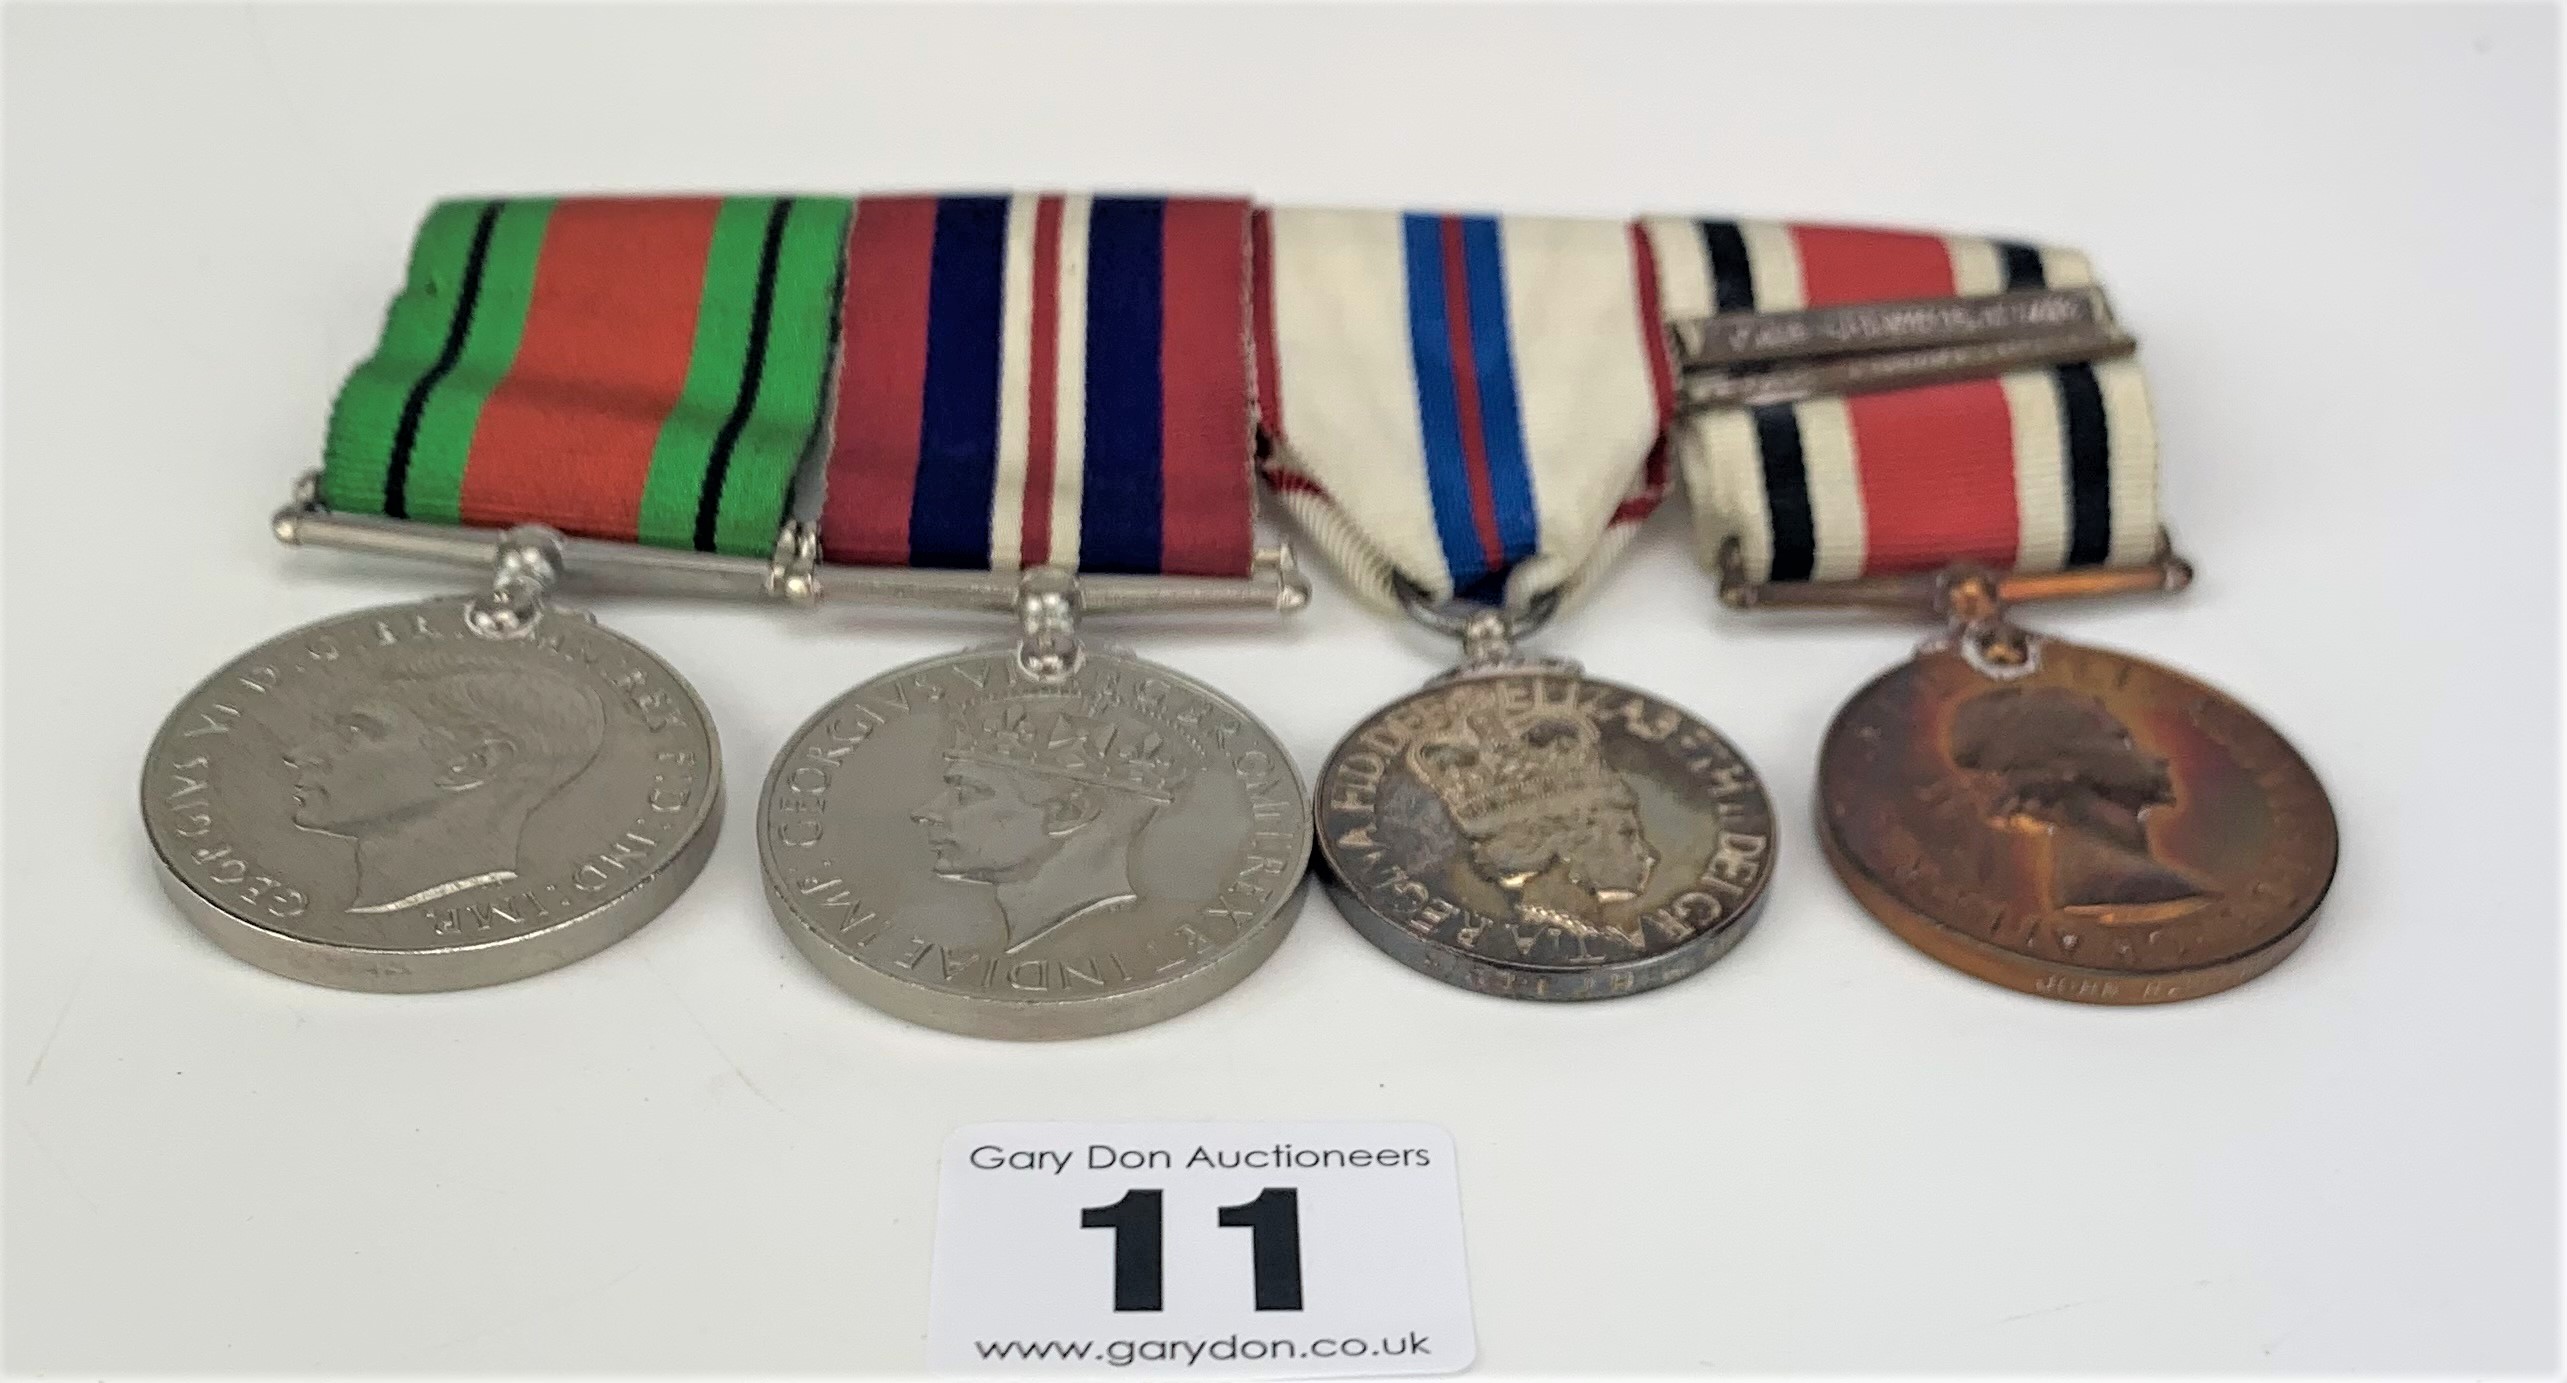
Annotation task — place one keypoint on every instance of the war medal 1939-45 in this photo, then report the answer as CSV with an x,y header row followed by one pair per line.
x,y
1950,426
1044,409
475,789
979,847
1465,411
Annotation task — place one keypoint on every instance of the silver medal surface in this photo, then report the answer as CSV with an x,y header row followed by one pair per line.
x,y
1537,834
391,801
967,847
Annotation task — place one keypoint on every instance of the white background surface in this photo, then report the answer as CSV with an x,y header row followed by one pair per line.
x,y
2333,230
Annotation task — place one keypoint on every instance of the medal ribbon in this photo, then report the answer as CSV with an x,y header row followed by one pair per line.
x,y
636,369
1044,378
2030,470
1471,402
1474,403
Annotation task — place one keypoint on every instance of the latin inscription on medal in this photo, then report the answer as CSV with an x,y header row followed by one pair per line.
x,y
387,792
1546,835
974,848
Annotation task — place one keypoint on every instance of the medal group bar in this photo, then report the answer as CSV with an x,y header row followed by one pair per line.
x,y
1058,404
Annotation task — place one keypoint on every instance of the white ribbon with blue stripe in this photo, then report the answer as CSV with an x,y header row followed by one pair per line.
x,y
1471,402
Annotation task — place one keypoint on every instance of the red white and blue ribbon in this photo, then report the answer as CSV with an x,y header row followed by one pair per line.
x,y
1472,402
1044,378
2032,470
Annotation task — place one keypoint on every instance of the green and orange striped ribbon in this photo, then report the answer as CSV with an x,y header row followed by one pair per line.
x,y
637,369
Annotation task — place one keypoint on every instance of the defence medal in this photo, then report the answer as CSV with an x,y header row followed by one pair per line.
x,y
1043,409
479,787
1954,426
1466,413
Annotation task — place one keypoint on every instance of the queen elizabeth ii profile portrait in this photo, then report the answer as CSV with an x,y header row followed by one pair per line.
x,y
1042,801
433,768
1546,819
2059,768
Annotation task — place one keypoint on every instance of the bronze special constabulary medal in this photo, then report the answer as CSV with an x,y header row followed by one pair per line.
x,y
1464,413
1952,425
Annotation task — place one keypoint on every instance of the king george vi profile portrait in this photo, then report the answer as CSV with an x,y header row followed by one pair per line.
x,y
434,768
1545,817
1044,803
2058,766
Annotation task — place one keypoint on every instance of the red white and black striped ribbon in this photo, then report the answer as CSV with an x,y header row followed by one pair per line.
x,y
1044,378
2036,469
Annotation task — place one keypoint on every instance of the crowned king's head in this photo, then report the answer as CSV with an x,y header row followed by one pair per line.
x,y
1062,739
1497,757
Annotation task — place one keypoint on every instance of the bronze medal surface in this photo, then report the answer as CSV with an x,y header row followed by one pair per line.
x,y
2097,828
1543,835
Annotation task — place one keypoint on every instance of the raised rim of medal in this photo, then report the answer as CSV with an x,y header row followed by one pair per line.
x,y
685,858
2042,978
1287,900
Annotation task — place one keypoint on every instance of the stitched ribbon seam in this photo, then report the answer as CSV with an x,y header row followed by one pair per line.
x,y
639,369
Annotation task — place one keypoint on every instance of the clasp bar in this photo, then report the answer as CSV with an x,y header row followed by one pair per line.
x,y
1748,359
1932,592
794,574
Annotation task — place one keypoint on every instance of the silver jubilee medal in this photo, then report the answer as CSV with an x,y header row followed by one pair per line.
x,y
478,788
1043,838
1469,449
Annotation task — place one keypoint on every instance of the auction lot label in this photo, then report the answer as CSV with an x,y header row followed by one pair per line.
x,y
1212,1250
